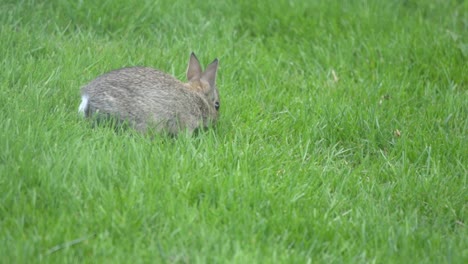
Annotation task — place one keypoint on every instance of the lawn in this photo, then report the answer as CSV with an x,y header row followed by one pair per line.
x,y
343,134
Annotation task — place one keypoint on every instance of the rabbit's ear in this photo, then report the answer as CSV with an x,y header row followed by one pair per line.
x,y
194,70
210,73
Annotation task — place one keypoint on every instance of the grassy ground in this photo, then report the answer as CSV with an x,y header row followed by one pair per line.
x,y
343,134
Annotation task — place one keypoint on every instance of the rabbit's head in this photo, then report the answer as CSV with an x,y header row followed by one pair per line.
x,y
204,82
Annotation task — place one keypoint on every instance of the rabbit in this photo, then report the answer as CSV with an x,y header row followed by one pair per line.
x,y
147,98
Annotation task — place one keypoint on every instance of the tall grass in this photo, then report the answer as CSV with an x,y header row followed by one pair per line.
x,y
342,137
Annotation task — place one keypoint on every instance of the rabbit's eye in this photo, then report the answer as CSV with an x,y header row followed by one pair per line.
x,y
216,106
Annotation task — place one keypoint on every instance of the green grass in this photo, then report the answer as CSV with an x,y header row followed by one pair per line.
x,y
343,135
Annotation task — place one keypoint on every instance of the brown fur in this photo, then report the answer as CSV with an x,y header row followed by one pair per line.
x,y
147,98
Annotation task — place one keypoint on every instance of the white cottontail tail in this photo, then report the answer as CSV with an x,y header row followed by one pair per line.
x,y
148,98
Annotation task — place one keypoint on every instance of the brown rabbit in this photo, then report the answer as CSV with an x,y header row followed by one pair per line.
x,y
148,98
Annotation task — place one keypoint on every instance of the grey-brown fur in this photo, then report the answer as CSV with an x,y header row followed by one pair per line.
x,y
148,98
